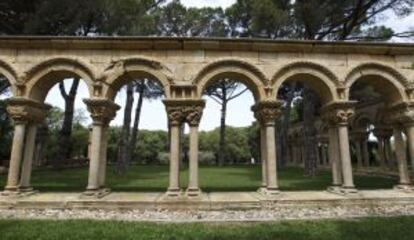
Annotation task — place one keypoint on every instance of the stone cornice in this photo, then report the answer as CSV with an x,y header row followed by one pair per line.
x,y
217,44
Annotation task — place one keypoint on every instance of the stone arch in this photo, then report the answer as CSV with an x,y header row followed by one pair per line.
x,y
361,120
385,79
121,71
42,77
241,70
318,77
10,74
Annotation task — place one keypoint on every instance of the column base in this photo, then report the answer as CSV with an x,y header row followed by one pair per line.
x,y
271,191
193,192
342,190
95,193
18,192
173,192
404,187
262,190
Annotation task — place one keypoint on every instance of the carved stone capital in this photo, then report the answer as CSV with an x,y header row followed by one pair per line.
x,y
26,110
401,114
102,110
179,111
338,113
266,112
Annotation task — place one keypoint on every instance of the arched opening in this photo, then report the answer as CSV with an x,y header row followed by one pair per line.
x,y
61,156
302,136
138,137
229,140
6,128
374,90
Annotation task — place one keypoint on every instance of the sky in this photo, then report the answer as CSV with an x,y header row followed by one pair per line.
x,y
153,115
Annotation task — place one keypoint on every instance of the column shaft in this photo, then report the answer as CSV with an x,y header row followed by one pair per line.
x,y
103,157
348,181
193,187
334,157
401,158
410,138
358,153
96,145
29,147
381,152
272,185
365,152
16,156
263,153
174,187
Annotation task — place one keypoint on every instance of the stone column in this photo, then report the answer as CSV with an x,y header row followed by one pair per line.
x,y
334,156
319,152
388,152
409,130
104,161
267,112
325,161
193,117
263,156
358,153
16,156
28,158
402,159
339,114
24,112
365,152
102,112
381,148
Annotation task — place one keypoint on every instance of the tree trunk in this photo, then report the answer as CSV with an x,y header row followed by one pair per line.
x,y
123,146
64,138
284,124
309,107
134,134
222,142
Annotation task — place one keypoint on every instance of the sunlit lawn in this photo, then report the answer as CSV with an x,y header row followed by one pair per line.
x,y
155,178
400,228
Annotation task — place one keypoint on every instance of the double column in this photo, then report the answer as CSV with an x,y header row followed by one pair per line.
x,y
180,112
338,115
402,119
26,114
266,112
102,112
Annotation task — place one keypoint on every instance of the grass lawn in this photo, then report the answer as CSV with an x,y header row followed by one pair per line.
x,y
155,178
400,228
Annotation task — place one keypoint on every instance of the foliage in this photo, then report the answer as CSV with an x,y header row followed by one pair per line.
x,y
149,146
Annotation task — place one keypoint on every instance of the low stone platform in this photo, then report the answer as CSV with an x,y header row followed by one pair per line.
x,y
209,201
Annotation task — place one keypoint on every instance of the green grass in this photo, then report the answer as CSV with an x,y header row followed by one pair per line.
x,y
155,178
400,228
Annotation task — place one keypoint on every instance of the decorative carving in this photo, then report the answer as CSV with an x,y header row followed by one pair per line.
x,y
23,110
401,114
116,68
266,112
338,113
180,111
102,110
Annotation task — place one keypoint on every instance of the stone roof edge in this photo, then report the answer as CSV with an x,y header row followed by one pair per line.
x,y
219,44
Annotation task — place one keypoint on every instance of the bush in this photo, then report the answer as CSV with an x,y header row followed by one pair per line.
x,y
206,158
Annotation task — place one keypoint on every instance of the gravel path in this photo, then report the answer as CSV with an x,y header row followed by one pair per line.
x,y
275,214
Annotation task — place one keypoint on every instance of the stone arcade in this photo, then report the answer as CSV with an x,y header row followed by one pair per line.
x,y
184,67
